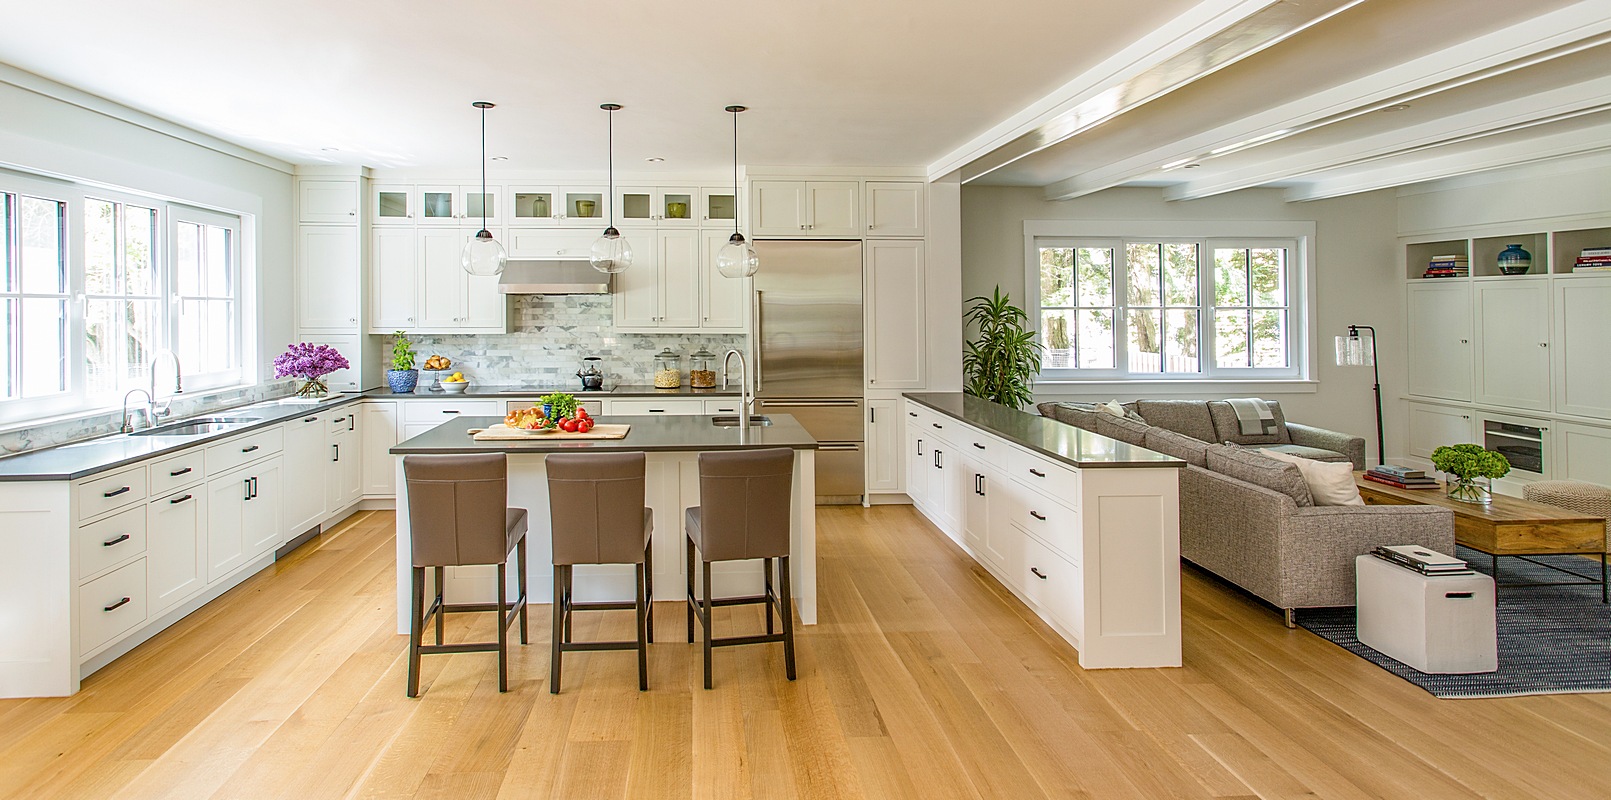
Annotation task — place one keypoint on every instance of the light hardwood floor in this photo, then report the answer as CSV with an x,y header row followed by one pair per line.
x,y
925,679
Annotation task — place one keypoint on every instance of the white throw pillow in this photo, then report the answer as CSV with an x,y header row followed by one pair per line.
x,y
1331,483
1111,407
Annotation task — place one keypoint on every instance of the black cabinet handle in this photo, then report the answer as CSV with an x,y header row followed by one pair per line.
x,y
980,446
920,445
117,605
1038,573
450,411
251,449
1037,473
937,425
337,455
248,483
1037,515
339,419
872,414
911,413
1457,595
657,411
115,492
178,500
351,421
185,471
254,487
119,540
310,419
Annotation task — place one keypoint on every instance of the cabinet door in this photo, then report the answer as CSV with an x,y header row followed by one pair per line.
x,y
676,207
226,503
532,205
917,465
261,526
778,208
352,460
485,308
393,204
635,294
1432,427
1582,450
337,455
1004,541
680,266
306,475
1513,368
328,277
976,508
342,380
895,208
395,279
635,206
328,201
1582,357
438,205
176,566
585,207
473,201
896,353
379,428
722,299
1440,357
441,301
1054,585
718,206
884,427
833,207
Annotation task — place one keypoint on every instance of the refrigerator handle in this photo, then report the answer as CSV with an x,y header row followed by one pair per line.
x,y
756,349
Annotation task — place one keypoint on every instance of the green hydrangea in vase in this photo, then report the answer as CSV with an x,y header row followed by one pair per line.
x,y
310,362
1466,465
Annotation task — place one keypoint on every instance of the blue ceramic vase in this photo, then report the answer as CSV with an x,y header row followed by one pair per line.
x,y
402,381
1513,260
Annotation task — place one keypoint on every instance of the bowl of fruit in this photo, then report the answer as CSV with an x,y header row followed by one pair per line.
x,y
557,413
455,383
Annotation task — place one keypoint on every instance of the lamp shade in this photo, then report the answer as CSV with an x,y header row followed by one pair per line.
x,y
1356,351
611,254
483,255
737,259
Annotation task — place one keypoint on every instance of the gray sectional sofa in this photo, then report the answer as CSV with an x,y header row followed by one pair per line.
x,y
1250,519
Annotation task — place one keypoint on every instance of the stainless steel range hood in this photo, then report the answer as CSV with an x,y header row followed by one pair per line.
x,y
552,277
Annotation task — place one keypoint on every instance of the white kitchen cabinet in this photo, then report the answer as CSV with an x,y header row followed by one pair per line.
x,y
423,288
1582,345
327,200
834,208
661,292
455,205
305,473
584,207
652,206
725,405
392,204
342,380
441,278
1513,366
723,300
718,208
916,459
1433,426
635,293
1440,340
379,433
472,200
329,277
176,567
344,484
243,516
111,606
1581,453
894,314
1054,585
561,245
438,205
649,405
895,208
394,279
805,208
885,426
533,206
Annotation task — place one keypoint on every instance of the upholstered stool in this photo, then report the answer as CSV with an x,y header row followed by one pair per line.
x,y
743,514
458,516
599,517
1585,498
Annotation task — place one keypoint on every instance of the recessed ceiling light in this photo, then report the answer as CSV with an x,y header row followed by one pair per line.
x,y
331,149
1395,107
499,158
654,159
1191,166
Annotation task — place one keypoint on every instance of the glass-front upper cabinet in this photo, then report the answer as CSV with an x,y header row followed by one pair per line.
x,y
584,206
439,205
635,205
472,201
717,205
662,207
393,204
676,207
533,206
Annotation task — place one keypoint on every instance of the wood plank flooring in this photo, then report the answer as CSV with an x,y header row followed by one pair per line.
x,y
925,679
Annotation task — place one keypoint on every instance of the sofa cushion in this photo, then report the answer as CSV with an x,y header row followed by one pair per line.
x,y
1179,445
1301,451
1045,409
1331,483
1080,415
1253,467
1189,417
1228,429
1125,430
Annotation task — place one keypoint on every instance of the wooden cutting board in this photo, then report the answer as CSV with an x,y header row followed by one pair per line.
x,y
501,432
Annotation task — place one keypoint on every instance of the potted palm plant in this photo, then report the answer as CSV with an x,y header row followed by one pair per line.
x,y
1002,363
402,377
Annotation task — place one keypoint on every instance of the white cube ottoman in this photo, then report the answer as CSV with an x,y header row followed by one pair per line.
x,y
1435,624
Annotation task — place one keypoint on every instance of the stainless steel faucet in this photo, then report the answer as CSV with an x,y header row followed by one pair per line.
x,y
150,410
151,394
745,397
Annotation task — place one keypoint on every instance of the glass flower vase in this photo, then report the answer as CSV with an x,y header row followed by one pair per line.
x,y
313,388
1470,490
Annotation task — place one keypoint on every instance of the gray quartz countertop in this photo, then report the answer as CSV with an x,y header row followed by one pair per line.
x,y
103,454
512,390
1065,443
649,434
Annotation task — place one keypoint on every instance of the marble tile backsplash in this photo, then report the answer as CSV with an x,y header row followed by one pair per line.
x,y
552,333
63,431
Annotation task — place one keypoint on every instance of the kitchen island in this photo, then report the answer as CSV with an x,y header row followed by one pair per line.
x,y
672,445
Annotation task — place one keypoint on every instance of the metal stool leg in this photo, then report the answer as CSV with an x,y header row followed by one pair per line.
x,y
559,627
688,545
648,586
788,615
520,564
441,618
643,630
417,577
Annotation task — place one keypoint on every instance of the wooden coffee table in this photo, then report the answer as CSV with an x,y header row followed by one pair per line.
x,y
1507,526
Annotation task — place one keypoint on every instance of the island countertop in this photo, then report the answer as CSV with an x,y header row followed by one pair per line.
x,y
1066,443
649,434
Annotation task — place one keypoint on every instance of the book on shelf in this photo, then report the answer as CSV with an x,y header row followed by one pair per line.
x,y
1412,483
1595,251
1592,268
1396,471
1454,257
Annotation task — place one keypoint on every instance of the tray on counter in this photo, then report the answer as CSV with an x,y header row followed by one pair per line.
x,y
501,432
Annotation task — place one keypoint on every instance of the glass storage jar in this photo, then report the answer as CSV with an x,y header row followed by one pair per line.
x,y
667,370
702,369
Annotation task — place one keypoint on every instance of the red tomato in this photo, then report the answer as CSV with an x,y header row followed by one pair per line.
x,y
585,425
581,413
568,425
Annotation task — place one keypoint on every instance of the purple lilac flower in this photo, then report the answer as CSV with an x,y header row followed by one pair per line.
x,y
308,361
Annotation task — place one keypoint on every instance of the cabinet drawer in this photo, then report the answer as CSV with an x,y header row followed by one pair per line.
x,y
1044,475
1053,523
982,446
97,496
652,406
111,606
723,405
1055,586
344,420
438,411
109,541
226,456
172,473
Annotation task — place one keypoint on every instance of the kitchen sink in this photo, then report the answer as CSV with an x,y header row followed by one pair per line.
x,y
196,427
732,421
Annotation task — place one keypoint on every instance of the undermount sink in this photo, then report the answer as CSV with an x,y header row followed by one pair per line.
x,y
732,421
196,427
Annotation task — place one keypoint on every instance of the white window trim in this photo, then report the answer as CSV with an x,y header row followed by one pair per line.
x,y
1229,232
176,214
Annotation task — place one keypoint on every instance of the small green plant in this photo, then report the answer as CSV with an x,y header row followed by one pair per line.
x,y
402,352
1470,461
562,405
1002,363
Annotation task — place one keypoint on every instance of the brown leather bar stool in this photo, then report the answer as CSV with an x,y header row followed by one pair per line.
x,y
599,517
743,514
459,516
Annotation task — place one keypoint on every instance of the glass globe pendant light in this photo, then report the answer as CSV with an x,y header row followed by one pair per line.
x,y
736,259
611,254
483,255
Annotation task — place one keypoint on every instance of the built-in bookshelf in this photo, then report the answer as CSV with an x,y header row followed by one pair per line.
x,y
1554,253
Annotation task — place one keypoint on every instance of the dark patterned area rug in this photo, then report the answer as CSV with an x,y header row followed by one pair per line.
x,y
1552,639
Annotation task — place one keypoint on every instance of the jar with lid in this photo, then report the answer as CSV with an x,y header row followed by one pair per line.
x,y
702,369
667,370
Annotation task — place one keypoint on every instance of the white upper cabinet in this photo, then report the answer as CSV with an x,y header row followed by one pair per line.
x,y
717,207
394,279
636,292
532,205
475,203
673,285
656,206
1582,346
328,200
805,208
680,268
1513,369
895,208
438,205
894,314
723,299
584,207
564,245
329,278
392,204
778,208
1440,352
342,380
441,292
420,285
834,208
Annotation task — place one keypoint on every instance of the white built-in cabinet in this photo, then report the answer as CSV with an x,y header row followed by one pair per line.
x,y
305,474
348,345
1432,426
418,284
329,277
378,432
1582,347
805,208
243,516
1440,337
1513,366
344,470
723,301
327,200
886,427
176,567
666,287
656,206
1580,452
895,314
895,208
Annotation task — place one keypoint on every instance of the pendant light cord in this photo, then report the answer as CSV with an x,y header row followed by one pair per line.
x,y
610,116
735,172
483,168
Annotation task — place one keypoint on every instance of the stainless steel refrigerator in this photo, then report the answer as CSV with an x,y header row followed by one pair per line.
x,y
808,320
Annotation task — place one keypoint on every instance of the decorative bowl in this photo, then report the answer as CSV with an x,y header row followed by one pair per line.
x,y
455,387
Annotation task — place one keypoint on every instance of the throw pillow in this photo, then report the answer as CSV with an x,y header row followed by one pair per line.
x,y
1331,483
1229,429
1260,470
1118,409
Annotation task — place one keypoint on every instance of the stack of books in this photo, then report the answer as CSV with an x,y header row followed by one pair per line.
x,y
1455,266
1422,560
1593,259
1402,477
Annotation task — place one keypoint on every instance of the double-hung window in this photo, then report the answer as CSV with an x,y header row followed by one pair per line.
x,y
34,292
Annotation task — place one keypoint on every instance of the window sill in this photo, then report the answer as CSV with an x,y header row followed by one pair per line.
x,y
1174,388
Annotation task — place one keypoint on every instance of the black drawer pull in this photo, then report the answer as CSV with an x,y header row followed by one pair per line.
x,y
657,411
911,413
339,419
980,446
1038,573
1037,473
310,419
249,449
450,411
115,492
119,604
1457,595
178,500
1037,515
185,471
937,425
119,540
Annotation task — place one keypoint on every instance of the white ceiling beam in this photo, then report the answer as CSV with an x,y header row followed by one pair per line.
x,y
1390,173
1548,36
1566,102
